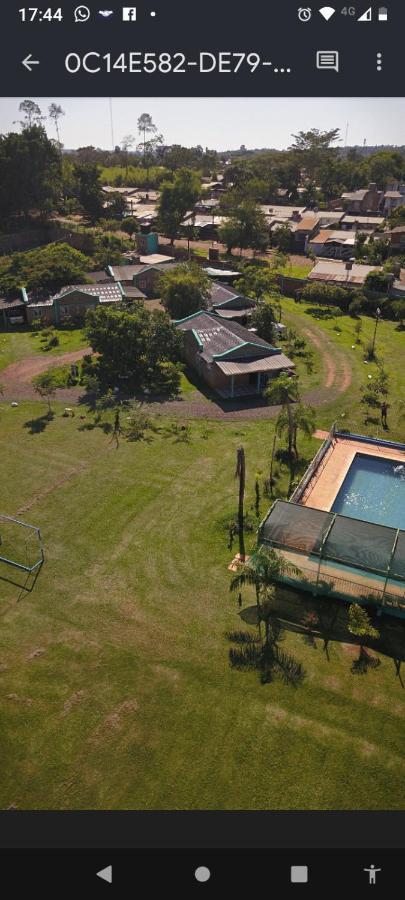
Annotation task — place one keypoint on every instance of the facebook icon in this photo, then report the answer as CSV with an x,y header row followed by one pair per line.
x,y
129,13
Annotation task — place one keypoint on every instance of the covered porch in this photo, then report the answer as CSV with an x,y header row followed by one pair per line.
x,y
250,378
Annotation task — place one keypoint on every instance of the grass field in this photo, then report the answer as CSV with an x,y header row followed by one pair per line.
x,y
347,410
116,691
16,345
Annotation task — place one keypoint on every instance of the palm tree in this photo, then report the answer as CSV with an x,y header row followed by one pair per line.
x,y
303,419
283,391
241,474
262,571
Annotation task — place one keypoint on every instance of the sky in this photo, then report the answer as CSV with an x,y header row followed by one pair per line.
x,y
220,124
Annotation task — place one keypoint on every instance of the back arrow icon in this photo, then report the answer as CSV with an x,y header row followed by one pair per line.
x,y
28,62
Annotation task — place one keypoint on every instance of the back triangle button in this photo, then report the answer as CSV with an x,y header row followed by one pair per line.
x,y
105,874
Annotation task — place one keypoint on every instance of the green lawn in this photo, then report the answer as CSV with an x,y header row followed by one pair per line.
x,y
16,345
116,690
347,409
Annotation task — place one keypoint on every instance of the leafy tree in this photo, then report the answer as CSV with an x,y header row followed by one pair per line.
x,y
360,626
130,225
327,294
379,282
137,348
263,320
31,112
108,249
246,229
184,290
398,307
117,206
55,112
45,385
397,217
314,148
283,391
177,198
258,283
88,189
46,268
30,173
281,237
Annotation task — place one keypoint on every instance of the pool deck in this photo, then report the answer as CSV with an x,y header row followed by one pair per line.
x,y
343,579
325,486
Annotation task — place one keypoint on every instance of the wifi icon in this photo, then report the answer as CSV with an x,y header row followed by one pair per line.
x,y
327,12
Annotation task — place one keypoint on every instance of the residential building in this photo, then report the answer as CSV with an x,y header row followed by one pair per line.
x,y
366,200
397,238
12,311
394,196
233,361
72,301
229,304
145,277
333,244
361,223
343,274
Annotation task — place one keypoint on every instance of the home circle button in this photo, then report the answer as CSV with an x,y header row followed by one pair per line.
x,y
202,874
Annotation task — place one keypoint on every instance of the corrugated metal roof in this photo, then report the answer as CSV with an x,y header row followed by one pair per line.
x,y
226,313
268,364
107,293
331,270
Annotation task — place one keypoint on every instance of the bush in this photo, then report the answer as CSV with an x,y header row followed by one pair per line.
x,y
327,294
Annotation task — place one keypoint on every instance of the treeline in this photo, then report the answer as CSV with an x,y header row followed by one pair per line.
x,y
314,163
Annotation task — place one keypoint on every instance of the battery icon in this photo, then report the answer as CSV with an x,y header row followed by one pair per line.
x,y
383,14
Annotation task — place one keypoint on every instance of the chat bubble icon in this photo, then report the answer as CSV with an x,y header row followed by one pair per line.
x,y
82,14
327,59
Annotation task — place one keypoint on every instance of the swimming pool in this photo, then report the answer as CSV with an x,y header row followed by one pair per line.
x,y
373,490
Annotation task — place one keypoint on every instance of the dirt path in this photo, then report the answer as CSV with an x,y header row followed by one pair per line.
x,y
17,377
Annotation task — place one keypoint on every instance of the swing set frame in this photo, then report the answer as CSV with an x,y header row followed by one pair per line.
x,y
15,563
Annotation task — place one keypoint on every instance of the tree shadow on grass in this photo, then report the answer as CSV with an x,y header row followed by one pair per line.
x,y
264,656
37,426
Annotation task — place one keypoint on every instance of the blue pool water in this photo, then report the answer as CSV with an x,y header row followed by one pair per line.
x,y
373,491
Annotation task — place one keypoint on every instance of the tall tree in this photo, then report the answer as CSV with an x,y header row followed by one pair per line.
x,y
88,189
177,198
31,112
283,391
246,229
150,139
30,173
241,475
55,112
184,290
302,418
127,142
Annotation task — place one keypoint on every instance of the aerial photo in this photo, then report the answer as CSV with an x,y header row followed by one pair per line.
x,y
202,432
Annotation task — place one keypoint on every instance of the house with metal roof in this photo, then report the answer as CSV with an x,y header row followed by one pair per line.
x,y
229,304
343,274
233,361
72,301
